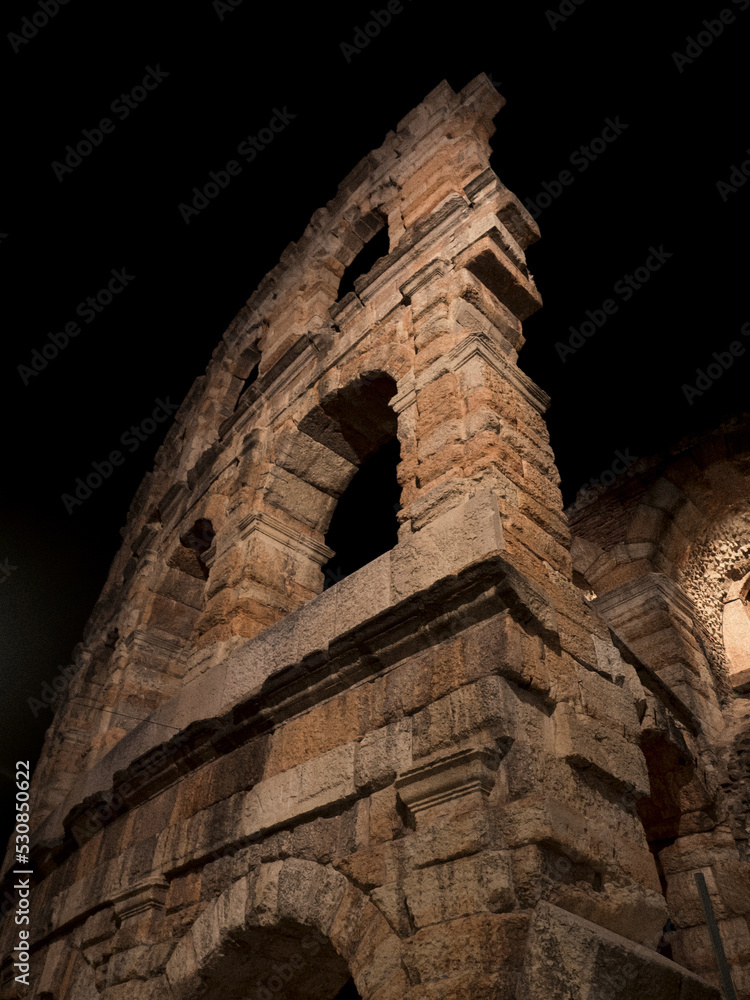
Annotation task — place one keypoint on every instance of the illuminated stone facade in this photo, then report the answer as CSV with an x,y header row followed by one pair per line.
x,y
444,776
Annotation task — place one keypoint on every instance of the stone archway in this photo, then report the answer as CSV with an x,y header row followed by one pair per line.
x,y
294,929
317,456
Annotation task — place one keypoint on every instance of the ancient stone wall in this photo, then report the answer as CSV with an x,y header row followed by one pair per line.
x,y
668,572
432,779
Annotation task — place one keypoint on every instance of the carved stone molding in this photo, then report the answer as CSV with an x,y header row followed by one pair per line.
x,y
449,777
150,894
152,639
478,345
279,532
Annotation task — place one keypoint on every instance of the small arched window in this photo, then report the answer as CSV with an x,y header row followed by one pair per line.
x,y
198,540
376,245
249,381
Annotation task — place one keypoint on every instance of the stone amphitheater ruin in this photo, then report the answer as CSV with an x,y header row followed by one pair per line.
x,y
486,763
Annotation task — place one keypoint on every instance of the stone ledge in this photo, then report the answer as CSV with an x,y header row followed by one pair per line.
x,y
571,958
487,260
594,745
147,767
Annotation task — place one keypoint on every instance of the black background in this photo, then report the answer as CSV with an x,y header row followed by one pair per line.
x,y
227,72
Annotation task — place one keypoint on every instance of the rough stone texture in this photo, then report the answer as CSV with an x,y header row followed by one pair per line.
x,y
569,958
445,776
670,573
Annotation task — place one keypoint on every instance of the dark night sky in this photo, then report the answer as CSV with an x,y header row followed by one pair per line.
x,y
655,185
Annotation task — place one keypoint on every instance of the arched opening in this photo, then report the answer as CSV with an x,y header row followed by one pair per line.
x,y
357,424
376,247
736,629
289,961
676,789
670,768
293,929
198,540
364,524
251,379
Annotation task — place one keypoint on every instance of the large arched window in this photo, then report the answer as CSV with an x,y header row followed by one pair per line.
x,y
359,424
737,633
365,523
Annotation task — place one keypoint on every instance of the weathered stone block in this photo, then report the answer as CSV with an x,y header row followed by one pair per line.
x,y
385,821
693,944
454,830
609,703
379,865
698,850
568,958
487,706
537,819
364,594
497,646
446,545
459,888
483,942
381,755
586,744
307,788
306,892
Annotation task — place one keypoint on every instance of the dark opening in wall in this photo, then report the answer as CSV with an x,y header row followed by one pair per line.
x,y
371,252
349,992
198,539
670,768
364,523
250,380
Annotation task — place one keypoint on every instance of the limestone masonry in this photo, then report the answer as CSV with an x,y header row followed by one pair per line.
x,y
488,763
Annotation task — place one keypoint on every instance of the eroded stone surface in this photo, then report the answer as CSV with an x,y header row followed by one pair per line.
x,y
442,776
